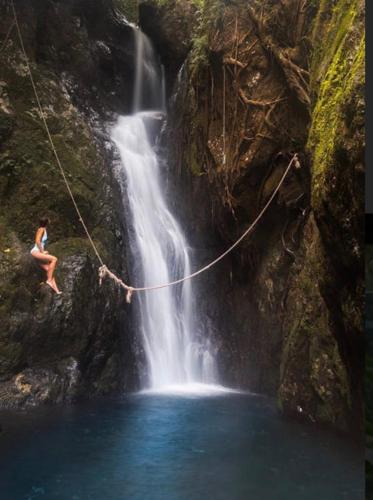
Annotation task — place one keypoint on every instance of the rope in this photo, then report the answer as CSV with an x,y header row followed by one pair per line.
x,y
104,271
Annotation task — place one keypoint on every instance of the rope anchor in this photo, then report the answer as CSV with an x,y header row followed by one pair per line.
x,y
129,294
103,271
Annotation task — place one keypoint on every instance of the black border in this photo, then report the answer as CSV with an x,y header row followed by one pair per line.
x,y
369,229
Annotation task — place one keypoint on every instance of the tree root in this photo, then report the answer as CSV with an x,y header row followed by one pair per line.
x,y
296,77
262,104
233,62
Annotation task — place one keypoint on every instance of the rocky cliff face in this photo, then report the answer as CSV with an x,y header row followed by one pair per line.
x,y
57,348
330,282
262,82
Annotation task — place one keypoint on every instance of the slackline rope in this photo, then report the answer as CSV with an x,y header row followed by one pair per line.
x,y
104,271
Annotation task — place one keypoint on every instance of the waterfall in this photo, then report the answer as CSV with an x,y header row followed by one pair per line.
x,y
174,353
149,88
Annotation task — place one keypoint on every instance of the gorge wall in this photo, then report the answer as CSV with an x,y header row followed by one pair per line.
x,y
52,348
260,83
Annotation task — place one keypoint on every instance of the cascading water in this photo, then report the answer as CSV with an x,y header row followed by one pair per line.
x,y
158,247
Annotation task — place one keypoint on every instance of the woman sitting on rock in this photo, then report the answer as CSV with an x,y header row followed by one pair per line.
x,y
44,259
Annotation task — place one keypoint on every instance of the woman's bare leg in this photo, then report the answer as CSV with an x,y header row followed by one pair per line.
x,y
55,286
50,272
49,267
44,266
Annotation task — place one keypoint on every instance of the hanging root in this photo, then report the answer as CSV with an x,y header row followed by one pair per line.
x,y
297,78
234,62
262,104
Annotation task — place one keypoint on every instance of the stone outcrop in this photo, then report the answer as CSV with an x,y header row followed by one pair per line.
x,y
260,83
333,260
57,348
169,24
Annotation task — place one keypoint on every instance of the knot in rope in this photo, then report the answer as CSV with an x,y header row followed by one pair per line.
x,y
130,291
297,164
102,272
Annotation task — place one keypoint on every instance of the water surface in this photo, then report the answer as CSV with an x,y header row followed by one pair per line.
x,y
159,446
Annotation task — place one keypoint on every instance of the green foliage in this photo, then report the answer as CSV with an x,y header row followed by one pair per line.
x,y
129,8
199,54
209,13
197,3
338,65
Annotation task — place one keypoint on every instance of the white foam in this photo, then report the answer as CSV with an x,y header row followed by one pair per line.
x,y
192,389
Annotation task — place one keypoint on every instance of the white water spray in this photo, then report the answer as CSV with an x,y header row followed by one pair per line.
x,y
149,88
159,250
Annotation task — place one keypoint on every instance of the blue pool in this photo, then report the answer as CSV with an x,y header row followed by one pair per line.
x,y
176,447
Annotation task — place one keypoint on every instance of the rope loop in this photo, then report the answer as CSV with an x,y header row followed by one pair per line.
x,y
102,272
130,291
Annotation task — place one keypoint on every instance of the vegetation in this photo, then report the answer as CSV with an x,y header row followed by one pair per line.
x,y
208,15
338,65
128,8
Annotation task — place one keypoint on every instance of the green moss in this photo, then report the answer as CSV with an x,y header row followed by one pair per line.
x,y
330,27
31,184
199,54
71,246
28,170
129,8
339,66
210,12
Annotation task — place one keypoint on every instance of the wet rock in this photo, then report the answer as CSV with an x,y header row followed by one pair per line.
x,y
57,348
35,386
170,25
292,292
313,373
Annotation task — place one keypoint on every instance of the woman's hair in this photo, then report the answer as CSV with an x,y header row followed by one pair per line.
x,y
44,221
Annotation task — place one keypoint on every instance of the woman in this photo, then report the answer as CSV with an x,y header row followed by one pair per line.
x,y
45,260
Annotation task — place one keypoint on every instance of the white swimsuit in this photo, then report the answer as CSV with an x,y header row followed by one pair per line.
x,y
35,248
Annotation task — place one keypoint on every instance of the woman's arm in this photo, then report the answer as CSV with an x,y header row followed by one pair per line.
x,y
38,237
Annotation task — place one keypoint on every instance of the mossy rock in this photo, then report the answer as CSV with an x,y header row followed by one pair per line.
x,y
128,8
338,72
38,328
314,380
